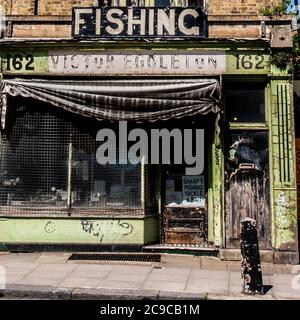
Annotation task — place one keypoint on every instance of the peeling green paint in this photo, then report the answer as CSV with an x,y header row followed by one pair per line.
x,y
285,217
247,62
24,61
85,230
217,194
282,155
37,61
253,60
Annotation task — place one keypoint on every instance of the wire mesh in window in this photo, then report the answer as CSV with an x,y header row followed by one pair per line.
x,y
34,162
110,186
48,162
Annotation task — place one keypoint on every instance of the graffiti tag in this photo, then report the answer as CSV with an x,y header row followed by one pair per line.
x,y
100,228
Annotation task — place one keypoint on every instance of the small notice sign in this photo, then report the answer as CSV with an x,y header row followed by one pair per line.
x,y
193,189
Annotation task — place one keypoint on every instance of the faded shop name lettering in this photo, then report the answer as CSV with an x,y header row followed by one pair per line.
x,y
94,63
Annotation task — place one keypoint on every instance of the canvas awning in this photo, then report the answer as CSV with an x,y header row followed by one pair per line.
x,y
138,100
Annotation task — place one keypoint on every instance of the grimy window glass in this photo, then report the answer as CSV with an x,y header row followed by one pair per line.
x,y
245,103
42,145
179,188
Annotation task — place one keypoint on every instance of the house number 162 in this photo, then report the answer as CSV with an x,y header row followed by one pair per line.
x,y
19,62
250,61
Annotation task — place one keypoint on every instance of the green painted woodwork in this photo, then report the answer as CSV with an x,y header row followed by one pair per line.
x,y
21,61
73,230
282,156
253,63
247,62
217,195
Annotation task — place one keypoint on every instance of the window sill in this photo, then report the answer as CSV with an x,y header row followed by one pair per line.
x,y
74,213
248,126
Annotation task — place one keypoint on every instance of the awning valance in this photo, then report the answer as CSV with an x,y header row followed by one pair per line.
x,y
138,100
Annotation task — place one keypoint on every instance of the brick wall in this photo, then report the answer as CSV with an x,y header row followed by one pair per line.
x,y
240,7
24,7
45,7
63,7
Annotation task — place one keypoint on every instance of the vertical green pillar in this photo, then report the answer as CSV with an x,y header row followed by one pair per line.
x,y
282,156
215,208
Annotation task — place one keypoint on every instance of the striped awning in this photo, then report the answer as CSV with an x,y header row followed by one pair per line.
x,y
137,100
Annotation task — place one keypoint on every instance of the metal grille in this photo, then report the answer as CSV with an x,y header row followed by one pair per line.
x,y
48,162
115,257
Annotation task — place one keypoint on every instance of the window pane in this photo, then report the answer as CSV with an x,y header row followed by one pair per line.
x,y
101,186
162,3
35,158
247,150
34,161
135,3
183,190
245,105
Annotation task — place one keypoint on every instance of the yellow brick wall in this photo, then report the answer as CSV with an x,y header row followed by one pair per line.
x,y
240,7
45,7
18,7
63,7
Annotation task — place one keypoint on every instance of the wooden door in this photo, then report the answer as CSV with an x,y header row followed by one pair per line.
x,y
247,195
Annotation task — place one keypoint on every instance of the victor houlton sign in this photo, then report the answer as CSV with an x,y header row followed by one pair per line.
x,y
139,22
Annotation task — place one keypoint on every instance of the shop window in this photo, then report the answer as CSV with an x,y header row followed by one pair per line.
x,y
48,159
245,103
247,150
135,3
183,190
36,7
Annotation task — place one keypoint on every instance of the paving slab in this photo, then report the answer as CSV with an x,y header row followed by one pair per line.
x,y
77,282
52,258
109,284
19,257
208,274
207,285
164,286
115,280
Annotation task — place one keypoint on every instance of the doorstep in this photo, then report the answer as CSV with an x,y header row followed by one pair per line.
x,y
191,249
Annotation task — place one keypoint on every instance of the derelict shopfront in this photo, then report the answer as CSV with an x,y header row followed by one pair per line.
x,y
50,145
56,97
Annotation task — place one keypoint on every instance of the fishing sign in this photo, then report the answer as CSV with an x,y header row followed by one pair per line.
x,y
138,22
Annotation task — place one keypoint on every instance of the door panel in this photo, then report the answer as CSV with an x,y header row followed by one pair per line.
x,y
247,195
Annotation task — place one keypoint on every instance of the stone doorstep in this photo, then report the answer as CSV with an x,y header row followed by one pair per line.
x,y
268,256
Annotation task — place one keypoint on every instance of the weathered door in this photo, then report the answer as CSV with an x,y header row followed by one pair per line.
x,y
185,226
247,195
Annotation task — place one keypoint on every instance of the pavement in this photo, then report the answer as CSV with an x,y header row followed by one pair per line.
x,y
53,276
